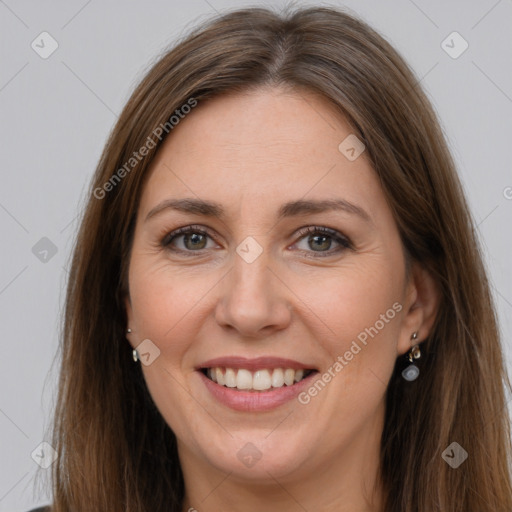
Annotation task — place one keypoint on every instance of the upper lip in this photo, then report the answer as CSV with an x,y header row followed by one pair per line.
x,y
258,363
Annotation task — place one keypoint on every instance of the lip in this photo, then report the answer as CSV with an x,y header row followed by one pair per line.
x,y
255,401
258,363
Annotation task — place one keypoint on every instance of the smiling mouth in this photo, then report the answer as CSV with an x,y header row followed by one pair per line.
x,y
260,380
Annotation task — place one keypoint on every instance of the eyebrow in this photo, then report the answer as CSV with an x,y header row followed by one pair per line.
x,y
290,209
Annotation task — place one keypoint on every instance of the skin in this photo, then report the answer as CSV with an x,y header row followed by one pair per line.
x,y
252,152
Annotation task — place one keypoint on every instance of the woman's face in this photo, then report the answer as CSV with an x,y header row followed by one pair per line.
x,y
250,295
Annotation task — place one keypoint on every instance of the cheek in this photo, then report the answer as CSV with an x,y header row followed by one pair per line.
x,y
358,314
354,298
172,398
162,302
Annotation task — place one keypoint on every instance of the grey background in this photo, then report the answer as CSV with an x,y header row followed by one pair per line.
x,y
56,114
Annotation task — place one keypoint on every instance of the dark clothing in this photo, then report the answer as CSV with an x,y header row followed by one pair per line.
x,y
41,509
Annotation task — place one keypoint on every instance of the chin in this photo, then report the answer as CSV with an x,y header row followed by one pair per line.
x,y
252,455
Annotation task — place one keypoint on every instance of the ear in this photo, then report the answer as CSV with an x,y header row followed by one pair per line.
x,y
422,298
129,318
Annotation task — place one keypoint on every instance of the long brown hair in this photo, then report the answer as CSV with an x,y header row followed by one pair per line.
x,y
115,451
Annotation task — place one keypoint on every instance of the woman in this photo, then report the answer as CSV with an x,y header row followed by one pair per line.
x,y
281,305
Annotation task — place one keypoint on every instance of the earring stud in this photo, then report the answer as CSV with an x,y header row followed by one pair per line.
x,y
128,330
135,355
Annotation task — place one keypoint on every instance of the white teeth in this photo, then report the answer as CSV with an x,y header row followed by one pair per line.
x,y
260,380
278,378
289,376
230,378
244,379
220,376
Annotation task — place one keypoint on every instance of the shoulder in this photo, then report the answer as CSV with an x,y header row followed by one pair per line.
x,y
41,509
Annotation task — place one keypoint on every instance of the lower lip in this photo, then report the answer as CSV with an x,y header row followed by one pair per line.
x,y
250,401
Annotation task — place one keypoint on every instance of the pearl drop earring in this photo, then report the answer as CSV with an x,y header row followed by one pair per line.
x,y
412,371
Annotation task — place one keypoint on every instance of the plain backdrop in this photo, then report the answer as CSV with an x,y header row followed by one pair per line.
x,y
56,113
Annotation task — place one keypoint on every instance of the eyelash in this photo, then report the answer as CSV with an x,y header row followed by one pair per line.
x,y
344,242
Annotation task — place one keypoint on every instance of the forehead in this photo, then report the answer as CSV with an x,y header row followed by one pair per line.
x,y
260,146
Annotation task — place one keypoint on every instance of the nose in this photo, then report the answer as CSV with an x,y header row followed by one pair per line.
x,y
254,299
